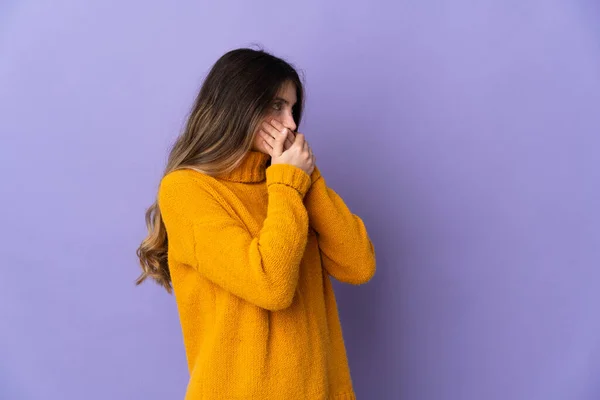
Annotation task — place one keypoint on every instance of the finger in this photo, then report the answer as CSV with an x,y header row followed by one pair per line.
x,y
277,125
299,141
270,129
267,147
290,140
269,140
266,140
288,143
280,127
266,136
279,143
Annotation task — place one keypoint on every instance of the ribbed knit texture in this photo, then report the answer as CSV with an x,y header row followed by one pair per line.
x,y
250,255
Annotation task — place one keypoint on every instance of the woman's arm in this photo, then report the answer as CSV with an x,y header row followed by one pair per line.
x,y
262,270
346,250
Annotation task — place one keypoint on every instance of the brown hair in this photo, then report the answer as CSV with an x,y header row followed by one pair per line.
x,y
233,99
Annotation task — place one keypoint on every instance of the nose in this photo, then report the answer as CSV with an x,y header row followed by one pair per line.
x,y
288,121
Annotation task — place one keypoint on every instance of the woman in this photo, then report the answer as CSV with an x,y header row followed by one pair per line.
x,y
247,234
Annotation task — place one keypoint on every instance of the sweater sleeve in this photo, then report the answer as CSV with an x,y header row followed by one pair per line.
x,y
204,232
346,250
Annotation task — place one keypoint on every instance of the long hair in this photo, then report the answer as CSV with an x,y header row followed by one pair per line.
x,y
234,97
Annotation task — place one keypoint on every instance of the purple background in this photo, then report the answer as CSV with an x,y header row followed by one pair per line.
x,y
466,134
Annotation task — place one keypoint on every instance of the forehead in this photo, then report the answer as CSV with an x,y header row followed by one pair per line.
x,y
287,91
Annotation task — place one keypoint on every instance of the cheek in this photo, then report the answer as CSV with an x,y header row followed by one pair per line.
x,y
272,115
257,139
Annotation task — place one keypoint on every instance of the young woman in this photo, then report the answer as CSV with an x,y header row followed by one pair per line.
x,y
247,234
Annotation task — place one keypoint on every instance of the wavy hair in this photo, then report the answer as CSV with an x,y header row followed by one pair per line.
x,y
233,99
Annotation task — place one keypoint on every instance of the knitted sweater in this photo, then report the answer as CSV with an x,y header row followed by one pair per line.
x,y
250,254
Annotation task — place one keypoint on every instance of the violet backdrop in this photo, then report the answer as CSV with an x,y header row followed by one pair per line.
x,y
466,134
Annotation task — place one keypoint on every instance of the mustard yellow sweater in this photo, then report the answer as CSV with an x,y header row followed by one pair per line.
x,y
250,255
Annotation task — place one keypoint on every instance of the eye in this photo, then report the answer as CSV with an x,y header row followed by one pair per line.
x,y
277,106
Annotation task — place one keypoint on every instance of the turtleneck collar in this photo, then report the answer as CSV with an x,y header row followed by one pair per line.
x,y
251,169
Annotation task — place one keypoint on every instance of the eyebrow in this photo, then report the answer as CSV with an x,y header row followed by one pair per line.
x,y
283,100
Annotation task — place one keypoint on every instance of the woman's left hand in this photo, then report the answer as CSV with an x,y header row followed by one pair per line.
x,y
272,129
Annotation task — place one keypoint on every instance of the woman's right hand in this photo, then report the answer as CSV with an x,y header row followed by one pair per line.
x,y
298,154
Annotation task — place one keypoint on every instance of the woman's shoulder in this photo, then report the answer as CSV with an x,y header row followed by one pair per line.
x,y
187,176
186,182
